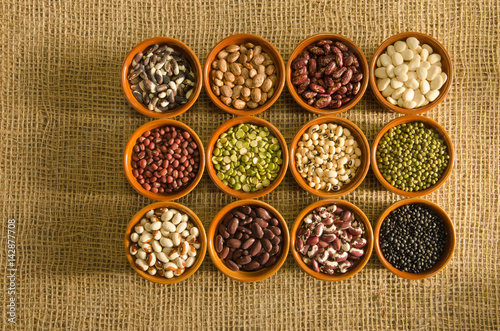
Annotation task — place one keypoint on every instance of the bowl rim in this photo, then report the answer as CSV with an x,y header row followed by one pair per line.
x,y
428,123
247,276
223,128
190,56
443,90
450,244
306,42
200,254
268,47
362,170
368,236
127,159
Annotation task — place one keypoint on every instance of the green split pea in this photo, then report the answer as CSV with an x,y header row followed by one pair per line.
x,y
247,157
412,157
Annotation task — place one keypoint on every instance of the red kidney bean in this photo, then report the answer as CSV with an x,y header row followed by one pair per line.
x,y
244,245
327,68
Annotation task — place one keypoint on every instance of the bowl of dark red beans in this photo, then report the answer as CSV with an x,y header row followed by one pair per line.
x,y
327,74
248,240
164,160
414,238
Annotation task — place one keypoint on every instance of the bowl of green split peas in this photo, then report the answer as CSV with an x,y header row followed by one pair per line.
x,y
412,156
247,157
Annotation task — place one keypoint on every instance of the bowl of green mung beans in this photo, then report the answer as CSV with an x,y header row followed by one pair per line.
x,y
412,156
247,157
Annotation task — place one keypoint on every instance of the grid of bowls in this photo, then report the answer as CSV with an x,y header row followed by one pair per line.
x,y
284,75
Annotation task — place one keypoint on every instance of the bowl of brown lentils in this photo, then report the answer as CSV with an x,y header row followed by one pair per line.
x,y
164,160
244,74
161,77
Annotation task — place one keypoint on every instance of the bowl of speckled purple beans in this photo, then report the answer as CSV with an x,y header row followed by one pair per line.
x,y
331,240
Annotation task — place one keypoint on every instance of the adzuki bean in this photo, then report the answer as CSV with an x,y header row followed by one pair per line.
x,y
165,159
243,245
327,74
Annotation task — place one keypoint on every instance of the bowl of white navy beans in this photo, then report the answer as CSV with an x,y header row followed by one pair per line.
x,y
329,156
165,242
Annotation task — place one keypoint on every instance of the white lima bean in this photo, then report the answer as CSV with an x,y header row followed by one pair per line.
x,y
409,75
169,243
327,157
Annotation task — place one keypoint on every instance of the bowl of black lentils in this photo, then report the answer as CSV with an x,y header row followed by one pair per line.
x,y
414,238
412,156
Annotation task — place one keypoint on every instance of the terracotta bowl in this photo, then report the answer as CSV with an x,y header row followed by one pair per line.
x,y
247,276
213,172
450,242
177,45
240,39
200,254
437,47
127,160
360,173
428,123
360,216
352,47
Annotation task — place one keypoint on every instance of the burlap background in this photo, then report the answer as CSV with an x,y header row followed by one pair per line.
x,y
64,123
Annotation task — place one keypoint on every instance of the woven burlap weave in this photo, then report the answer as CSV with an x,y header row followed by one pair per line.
x,y
64,122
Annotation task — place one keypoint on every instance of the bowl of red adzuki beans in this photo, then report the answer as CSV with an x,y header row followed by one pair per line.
x,y
164,160
327,74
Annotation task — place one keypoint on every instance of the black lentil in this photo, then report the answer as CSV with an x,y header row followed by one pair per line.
x,y
412,157
413,238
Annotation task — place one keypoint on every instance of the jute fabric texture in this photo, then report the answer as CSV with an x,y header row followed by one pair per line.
x,y
64,122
